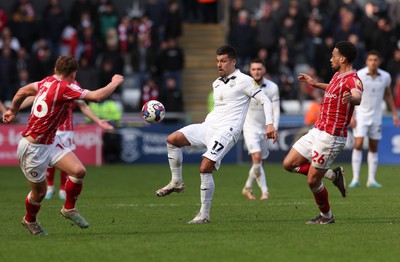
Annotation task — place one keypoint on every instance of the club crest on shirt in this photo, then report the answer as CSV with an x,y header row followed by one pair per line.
x,y
232,83
358,83
34,174
254,83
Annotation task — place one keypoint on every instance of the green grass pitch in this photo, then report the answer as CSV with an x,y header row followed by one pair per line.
x,y
129,223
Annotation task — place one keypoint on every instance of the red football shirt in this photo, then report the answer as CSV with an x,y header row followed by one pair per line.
x,y
50,108
335,116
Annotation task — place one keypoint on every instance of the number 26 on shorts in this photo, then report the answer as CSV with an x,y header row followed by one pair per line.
x,y
316,158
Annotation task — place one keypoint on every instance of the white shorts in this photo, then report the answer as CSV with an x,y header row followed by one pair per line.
x,y
256,142
216,142
320,148
35,158
372,131
67,138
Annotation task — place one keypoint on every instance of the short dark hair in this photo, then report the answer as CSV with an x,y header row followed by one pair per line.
x,y
348,50
65,65
226,50
257,61
374,52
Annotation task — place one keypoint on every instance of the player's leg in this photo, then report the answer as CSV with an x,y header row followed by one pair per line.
x,y
218,145
188,136
296,163
372,163
63,181
254,173
262,184
50,182
356,160
71,165
314,180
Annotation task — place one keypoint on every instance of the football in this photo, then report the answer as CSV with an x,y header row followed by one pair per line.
x,y
153,111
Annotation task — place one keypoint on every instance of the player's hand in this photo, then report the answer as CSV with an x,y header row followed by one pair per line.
x,y
270,132
103,123
117,79
396,121
347,97
353,122
8,116
306,78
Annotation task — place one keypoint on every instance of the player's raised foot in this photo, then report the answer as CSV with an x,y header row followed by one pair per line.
x,y
264,196
33,227
354,184
320,220
62,194
199,219
74,216
173,186
248,192
50,192
374,184
339,181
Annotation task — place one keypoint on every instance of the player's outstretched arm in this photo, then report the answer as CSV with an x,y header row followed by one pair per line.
x,y
3,109
353,97
104,92
22,93
89,113
309,80
390,102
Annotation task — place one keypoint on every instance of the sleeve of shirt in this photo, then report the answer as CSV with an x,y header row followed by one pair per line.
x,y
355,83
276,108
257,94
73,91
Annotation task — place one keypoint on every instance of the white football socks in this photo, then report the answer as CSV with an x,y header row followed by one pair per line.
x,y
261,181
356,160
206,193
372,166
175,157
252,176
329,174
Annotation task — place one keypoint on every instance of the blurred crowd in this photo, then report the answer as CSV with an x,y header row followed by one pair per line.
x,y
291,36
298,36
142,45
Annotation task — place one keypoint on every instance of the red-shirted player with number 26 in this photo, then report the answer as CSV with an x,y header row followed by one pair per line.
x,y
39,147
313,154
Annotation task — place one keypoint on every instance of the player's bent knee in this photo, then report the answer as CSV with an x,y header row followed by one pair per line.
x,y
78,172
207,166
288,165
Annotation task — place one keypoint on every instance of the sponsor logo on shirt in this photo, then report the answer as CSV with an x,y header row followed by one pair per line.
x,y
329,95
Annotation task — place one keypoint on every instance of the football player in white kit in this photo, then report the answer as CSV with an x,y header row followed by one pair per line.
x,y
367,119
254,130
220,130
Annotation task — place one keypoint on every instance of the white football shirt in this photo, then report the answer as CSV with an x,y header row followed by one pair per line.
x,y
370,109
255,119
231,101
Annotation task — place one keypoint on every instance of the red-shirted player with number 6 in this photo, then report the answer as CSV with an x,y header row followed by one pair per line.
x,y
314,152
39,147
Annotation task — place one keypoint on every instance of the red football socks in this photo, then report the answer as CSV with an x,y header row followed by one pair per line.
x,y
321,198
32,208
73,190
303,168
50,175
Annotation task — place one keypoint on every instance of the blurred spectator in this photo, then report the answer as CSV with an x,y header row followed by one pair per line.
x,y
171,97
173,24
53,23
269,62
397,91
277,11
314,45
43,60
143,62
393,66
7,39
394,15
267,31
123,30
108,109
107,18
87,74
78,8
384,40
89,45
3,19
241,37
287,90
190,11
156,11
69,42
368,24
346,25
150,91
361,52
8,73
306,91
172,61
85,21
235,8
24,60
209,11
22,23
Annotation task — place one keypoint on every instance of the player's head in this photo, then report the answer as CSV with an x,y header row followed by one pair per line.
x,y
66,66
343,54
373,60
226,60
257,69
